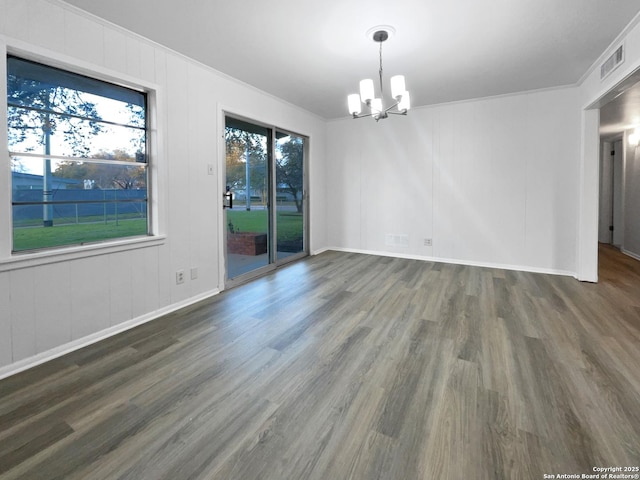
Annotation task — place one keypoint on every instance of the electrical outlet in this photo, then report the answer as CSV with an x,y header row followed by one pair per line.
x,y
179,277
428,242
194,273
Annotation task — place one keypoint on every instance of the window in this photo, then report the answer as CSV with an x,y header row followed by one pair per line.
x,y
79,168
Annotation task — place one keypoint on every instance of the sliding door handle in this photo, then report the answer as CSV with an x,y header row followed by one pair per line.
x,y
227,199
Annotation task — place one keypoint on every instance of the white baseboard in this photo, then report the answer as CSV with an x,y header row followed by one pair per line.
x,y
630,254
61,350
519,268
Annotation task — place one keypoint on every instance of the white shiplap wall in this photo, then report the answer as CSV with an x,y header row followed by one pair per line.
x,y
48,307
491,181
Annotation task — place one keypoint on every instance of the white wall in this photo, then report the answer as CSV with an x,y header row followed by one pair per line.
x,y
492,181
631,207
49,304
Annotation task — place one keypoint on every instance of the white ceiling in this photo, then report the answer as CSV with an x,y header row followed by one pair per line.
x,y
313,54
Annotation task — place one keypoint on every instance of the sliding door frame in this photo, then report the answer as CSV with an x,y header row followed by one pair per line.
x,y
274,262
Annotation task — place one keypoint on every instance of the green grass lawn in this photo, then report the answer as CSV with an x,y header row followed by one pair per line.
x,y
290,229
290,224
31,238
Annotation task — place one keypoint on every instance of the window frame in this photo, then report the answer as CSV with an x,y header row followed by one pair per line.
x,y
10,260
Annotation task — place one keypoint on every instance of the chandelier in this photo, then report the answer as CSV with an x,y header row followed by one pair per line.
x,y
367,96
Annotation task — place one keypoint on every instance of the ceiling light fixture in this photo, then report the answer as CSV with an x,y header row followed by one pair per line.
x,y
367,95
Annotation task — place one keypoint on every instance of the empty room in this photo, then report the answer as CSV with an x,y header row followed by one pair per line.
x,y
320,240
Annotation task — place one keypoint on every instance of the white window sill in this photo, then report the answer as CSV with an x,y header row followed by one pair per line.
x,y
63,254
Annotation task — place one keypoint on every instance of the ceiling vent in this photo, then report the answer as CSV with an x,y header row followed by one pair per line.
x,y
612,63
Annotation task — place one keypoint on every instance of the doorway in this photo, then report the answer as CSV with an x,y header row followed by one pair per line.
x,y
266,204
619,125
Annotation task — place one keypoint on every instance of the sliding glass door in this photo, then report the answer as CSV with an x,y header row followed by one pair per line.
x,y
265,198
290,195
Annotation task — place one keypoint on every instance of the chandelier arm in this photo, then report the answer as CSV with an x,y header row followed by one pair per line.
x,y
398,112
392,106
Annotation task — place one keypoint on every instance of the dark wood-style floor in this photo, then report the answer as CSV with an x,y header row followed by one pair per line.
x,y
347,366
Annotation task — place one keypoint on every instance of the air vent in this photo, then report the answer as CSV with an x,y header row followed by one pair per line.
x,y
395,240
612,63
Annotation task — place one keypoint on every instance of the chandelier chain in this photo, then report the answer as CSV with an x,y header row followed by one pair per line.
x,y
380,73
